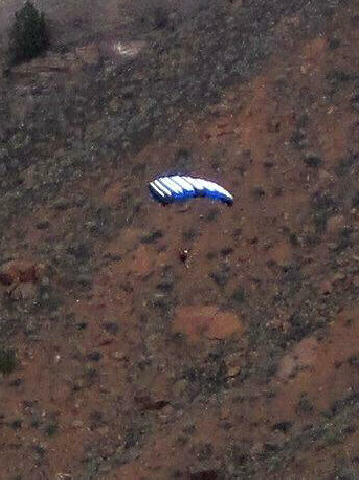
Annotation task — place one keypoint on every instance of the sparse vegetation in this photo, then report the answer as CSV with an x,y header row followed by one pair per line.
x,y
346,164
324,205
293,239
299,138
111,327
151,237
183,159
209,379
128,341
238,296
312,160
51,429
258,192
7,360
16,424
153,14
304,404
355,201
165,14
189,234
212,214
282,426
221,276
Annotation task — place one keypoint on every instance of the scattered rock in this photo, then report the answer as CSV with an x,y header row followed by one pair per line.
x,y
233,371
88,54
325,287
303,355
208,322
61,204
20,272
233,364
166,413
325,178
119,356
180,387
196,71
335,223
78,424
24,291
338,277
146,402
103,430
286,367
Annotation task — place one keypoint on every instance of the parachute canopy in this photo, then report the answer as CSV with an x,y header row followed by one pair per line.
x,y
179,189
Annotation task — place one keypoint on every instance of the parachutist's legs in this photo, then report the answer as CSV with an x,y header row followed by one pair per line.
x,y
183,255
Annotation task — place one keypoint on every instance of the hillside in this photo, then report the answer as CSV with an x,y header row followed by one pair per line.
x,y
120,362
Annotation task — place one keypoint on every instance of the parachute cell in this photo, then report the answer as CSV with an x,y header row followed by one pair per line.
x,y
179,189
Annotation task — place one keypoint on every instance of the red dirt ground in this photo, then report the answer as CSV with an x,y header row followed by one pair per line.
x,y
245,142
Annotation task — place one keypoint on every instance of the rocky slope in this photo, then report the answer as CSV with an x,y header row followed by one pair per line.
x,y
118,361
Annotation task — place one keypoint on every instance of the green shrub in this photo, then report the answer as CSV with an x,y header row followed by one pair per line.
x,y
28,37
7,360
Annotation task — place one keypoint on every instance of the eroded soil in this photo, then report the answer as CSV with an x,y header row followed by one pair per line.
x,y
242,363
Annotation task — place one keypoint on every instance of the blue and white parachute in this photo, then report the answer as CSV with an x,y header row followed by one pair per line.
x,y
178,188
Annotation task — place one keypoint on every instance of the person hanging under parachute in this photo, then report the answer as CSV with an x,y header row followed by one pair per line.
x,y
176,188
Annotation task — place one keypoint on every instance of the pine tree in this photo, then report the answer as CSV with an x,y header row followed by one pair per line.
x,y
28,37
